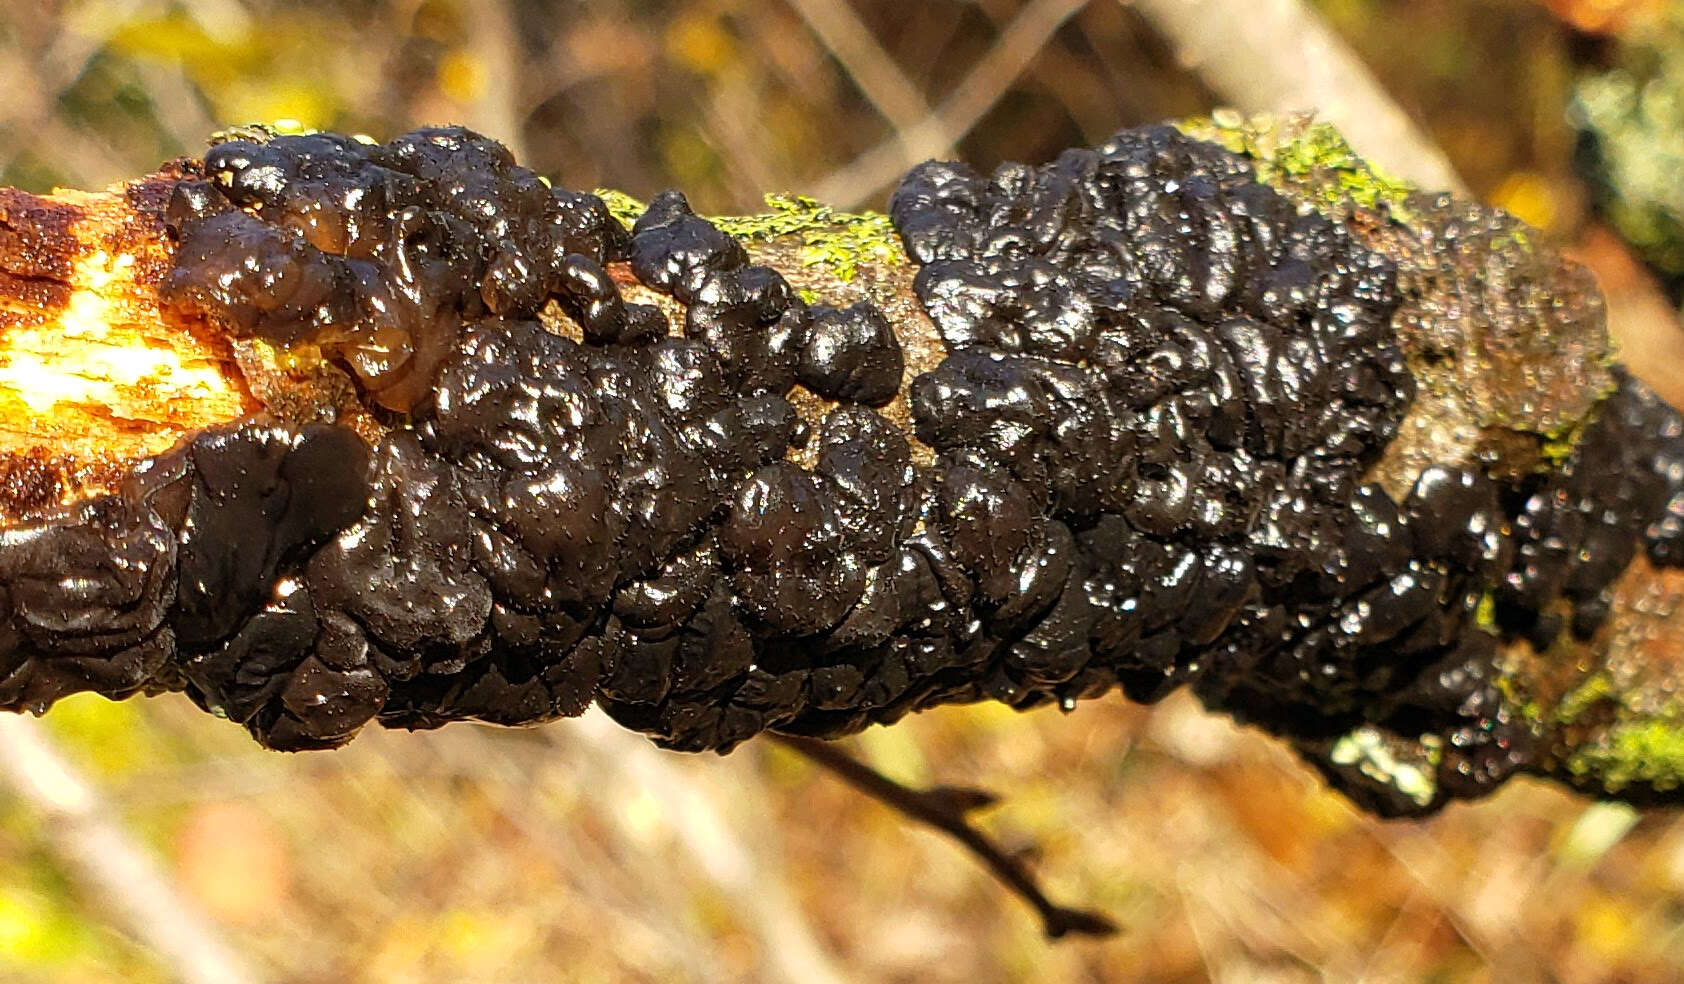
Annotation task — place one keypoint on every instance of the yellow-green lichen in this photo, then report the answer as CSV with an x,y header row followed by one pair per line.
x,y
264,132
1520,701
1649,752
621,205
1559,442
1515,236
1485,616
1626,745
1410,767
1594,690
1307,157
837,241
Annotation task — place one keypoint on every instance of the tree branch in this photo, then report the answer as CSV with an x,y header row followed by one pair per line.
x,y
1279,56
97,380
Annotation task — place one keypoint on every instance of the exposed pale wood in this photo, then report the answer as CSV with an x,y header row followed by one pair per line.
x,y
93,376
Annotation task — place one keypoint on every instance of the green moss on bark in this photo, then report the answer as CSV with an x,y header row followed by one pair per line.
x,y
839,242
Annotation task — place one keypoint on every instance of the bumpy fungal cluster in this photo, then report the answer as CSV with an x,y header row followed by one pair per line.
x,y
1188,378
378,253
1140,461
550,520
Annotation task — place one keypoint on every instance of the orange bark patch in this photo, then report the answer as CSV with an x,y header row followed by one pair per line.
x,y
92,372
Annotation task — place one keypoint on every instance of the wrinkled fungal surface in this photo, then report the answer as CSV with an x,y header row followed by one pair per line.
x,y
1140,461
1576,529
1506,337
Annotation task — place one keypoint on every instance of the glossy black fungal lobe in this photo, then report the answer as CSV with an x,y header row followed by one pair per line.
x,y
1618,495
379,252
852,354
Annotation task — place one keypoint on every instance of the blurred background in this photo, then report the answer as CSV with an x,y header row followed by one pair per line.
x,y
146,841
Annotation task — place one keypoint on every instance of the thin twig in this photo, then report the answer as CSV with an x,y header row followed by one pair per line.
x,y
947,809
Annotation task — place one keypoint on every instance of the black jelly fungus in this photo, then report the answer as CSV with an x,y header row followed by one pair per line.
x,y
1145,449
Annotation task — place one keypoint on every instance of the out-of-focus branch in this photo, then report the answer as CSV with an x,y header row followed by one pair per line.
x,y
1272,56
113,870
964,107
878,76
741,872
